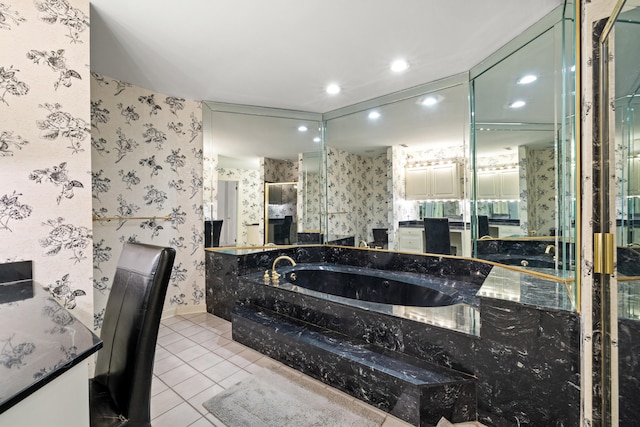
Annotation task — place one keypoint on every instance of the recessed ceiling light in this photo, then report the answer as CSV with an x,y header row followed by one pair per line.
x,y
333,89
525,80
302,128
573,68
517,104
399,65
316,139
430,100
374,115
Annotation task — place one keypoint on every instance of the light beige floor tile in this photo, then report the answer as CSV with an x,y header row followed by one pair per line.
x,y
181,416
197,400
206,361
178,346
245,357
170,338
221,371
161,353
171,320
192,386
162,402
192,353
157,386
392,421
181,325
177,375
215,343
203,335
193,330
168,363
230,349
163,330
227,335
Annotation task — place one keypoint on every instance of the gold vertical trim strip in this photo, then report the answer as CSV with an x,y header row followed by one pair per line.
x,y
578,147
609,253
597,253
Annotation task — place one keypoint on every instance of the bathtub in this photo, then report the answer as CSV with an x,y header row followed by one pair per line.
x,y
375,286
439,301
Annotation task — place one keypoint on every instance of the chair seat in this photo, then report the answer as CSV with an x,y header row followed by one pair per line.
x,y
104,412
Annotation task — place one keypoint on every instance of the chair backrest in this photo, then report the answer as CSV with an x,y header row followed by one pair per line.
x,y
130,327
483,226
380,236
436,236
212,230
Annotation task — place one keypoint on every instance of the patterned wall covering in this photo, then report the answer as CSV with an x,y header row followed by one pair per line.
x,y
310,197
357,194
147,161
45,151
250,199
280,170
541,184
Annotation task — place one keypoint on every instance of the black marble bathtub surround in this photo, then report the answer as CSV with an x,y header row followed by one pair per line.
x,y
16,281
16,271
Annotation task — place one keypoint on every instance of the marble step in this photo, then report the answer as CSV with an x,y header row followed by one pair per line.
x,y
409,388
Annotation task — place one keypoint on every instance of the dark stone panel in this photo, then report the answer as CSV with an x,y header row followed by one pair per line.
x,y
15,271
629,369
526,358
408,388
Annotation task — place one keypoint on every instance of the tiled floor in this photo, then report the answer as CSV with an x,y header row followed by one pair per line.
x,y
195,359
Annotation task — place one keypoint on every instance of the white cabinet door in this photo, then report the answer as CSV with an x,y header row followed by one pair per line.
x,y
444,181
416,185
510,184
487,185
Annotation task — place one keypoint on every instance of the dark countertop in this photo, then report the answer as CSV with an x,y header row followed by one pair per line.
x,y
457,223
39,340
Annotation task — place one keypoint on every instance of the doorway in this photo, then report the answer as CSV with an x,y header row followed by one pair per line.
x,y
228,212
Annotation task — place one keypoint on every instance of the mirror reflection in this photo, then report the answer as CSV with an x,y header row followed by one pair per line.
x,y
523,150
627,154
257,173
485,150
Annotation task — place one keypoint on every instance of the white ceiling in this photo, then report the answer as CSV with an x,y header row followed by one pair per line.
x,y
282,54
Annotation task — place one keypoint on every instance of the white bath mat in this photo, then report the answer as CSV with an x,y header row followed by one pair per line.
x,y
276,398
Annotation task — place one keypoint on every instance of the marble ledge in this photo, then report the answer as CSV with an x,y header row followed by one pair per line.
x,y
512,285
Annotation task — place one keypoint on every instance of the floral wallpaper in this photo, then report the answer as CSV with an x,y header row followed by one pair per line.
x,y
45,151
279,170
147,175
357,194
310,195
541,183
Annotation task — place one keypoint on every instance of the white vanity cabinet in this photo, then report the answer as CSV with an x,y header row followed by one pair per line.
x,y
441,181
411,239
498,184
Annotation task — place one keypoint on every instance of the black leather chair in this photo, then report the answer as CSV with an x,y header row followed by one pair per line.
x,y
483,226
436,236
212,231
120,392
282,231
380,238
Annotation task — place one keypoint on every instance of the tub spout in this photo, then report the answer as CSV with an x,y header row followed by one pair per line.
x,y
274,273
549,249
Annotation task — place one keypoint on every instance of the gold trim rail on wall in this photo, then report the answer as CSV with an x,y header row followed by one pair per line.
x,y
126,218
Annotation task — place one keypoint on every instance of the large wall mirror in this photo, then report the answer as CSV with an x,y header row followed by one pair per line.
x,y
262,174
523,150
502,177
377,150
